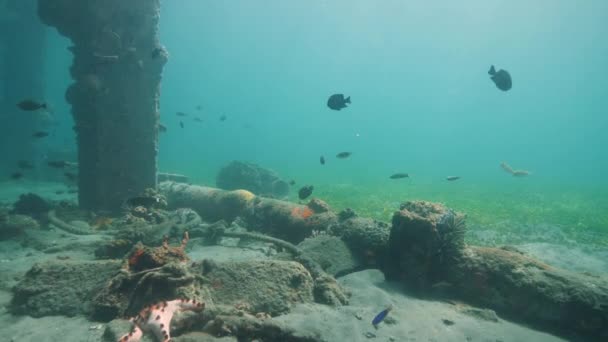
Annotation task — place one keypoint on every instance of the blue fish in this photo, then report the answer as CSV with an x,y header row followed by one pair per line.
x,y
381,316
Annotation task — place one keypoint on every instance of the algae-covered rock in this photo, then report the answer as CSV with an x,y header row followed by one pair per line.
x,y
61,287
331,253
14,225
427,251
31,204
365,237
263,286
424,238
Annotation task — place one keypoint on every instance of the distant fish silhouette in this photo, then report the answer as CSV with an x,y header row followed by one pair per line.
x,y
343,155
16,175
31,105
501,78
305,191
337,101
399,176
40,134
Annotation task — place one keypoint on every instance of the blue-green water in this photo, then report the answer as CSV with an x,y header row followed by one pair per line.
x,y
417,75
423,102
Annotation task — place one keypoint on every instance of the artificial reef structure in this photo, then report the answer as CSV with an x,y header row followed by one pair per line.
x,y
423,249
116,73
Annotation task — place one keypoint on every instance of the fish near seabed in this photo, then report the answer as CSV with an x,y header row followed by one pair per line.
x,y
381,316
343,155
305,192
501,78
337,101
399,175
31,105
40,134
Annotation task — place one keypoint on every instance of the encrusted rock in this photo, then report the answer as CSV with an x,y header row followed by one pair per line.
x,y
367,238
427,252
331,253
424,238
61,287
318,206
32,205
14,225
265,286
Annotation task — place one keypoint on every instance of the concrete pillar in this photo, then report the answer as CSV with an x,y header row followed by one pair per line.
x,y
117,68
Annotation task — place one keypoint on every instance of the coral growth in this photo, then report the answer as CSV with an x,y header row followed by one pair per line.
x,y
301,213
144,258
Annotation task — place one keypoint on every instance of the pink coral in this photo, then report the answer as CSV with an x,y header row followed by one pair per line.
x,y
156,319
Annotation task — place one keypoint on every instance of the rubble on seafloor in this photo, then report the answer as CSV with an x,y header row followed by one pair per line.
x,y
423,249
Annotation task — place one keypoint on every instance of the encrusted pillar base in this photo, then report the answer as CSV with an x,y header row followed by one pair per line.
x,y
117,68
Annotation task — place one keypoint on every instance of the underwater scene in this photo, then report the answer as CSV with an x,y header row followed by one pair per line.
x,y
303,171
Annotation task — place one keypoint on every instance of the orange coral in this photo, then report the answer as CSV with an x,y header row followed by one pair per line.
x,y
135,257
302,212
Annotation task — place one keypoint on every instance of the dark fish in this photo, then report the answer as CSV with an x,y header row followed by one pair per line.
x,y
156,52
199,107
58,164
59,192
162,128
72,177
31,105
381,316
399,176
72,191
25,165
452,178
181,114
142,201
223,117
292,182
447,322
337,101
343,155
181,124
40,134
305,191
322,160
17,175
501,78
197,119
